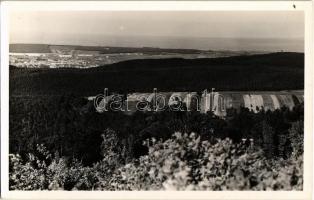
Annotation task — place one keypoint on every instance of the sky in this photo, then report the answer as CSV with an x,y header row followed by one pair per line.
x,y
120,27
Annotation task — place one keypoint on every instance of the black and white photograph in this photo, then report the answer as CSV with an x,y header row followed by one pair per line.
x,y
156,100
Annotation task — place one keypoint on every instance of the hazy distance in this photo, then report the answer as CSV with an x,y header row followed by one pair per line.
x,y
211,30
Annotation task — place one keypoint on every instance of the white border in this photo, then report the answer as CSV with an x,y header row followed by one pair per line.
x,y
305,6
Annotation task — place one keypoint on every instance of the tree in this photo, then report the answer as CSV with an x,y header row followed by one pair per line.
x,y
268,139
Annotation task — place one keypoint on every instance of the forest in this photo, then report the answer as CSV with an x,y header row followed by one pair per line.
x,y
275,71
62,143
70,126
59,142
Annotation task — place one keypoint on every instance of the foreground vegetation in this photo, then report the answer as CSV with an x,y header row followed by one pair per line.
x,y
183,162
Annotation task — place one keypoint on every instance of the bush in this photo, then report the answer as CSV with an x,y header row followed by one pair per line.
x,y
38,172
186,163
183,162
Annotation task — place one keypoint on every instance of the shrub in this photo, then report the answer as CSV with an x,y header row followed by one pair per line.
x,y
187,163
39,173
183,162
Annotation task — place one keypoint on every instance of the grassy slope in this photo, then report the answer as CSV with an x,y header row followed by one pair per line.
x,y
276,71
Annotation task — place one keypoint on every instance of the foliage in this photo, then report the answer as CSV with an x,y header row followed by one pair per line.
x,y
184,162
42,172
61,123
187,163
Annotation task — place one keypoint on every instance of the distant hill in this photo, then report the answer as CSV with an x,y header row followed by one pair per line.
x,y
275,71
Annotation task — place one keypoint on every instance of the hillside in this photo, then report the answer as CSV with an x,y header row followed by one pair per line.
x,y
276,71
